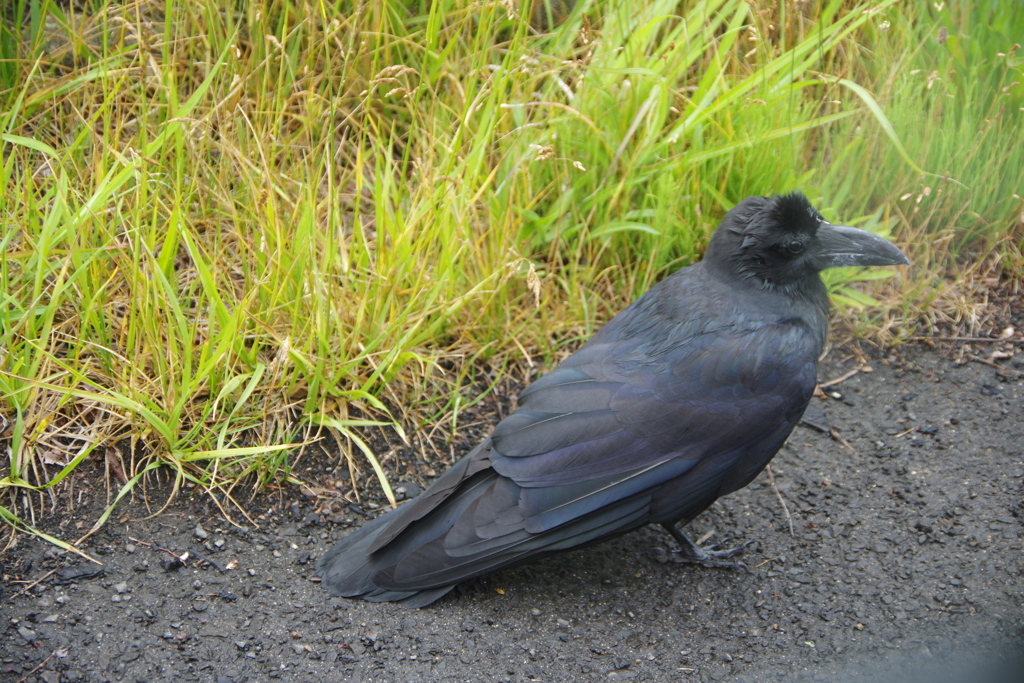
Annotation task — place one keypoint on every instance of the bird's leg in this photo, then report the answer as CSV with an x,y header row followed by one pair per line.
x,y
691,553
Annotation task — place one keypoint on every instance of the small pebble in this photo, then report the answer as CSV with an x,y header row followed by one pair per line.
x,y
121,587
200,532
406,490
26,633
129,548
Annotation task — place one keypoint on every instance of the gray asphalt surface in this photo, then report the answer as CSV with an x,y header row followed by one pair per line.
x,y
906,563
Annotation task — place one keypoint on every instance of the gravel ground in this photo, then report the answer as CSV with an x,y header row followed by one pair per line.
x,y
905,563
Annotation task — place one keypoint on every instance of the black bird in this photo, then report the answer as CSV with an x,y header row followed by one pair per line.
x,y
680,399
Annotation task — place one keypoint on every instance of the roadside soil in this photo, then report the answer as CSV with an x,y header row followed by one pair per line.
x,y
901,558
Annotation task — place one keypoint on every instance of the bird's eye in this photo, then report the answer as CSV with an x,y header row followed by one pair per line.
x,y
796,246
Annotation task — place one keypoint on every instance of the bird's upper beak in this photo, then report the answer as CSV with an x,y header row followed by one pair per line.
x,y
841,245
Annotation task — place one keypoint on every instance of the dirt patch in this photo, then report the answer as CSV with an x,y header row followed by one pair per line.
x,y
907,561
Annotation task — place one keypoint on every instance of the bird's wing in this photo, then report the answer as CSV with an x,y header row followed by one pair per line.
x,y
622,406
585,453
475,461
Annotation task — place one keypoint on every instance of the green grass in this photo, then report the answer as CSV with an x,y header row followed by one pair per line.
x,y
230,229
956,105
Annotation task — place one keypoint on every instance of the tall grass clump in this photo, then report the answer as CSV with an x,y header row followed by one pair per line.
x,y
229,229
951,79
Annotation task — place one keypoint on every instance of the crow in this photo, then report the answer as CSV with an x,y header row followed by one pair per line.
x,y
680,399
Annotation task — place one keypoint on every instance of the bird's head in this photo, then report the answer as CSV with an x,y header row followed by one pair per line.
x,y
782,242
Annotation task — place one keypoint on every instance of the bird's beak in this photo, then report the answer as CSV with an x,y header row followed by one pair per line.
x,y
841,245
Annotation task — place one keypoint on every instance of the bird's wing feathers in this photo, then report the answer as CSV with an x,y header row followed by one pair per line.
x,y
444,486
611,410
591,443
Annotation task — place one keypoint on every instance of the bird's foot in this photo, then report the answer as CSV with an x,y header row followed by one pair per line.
x,y
706,558
691,553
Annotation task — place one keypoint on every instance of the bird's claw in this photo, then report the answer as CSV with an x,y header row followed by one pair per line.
x,y
711,559
724,554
